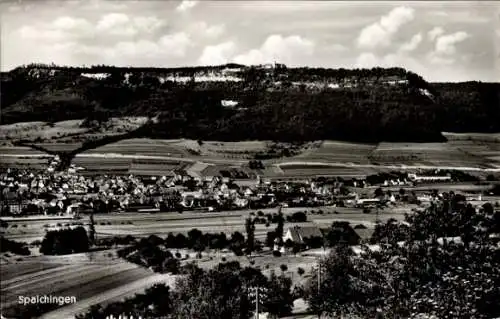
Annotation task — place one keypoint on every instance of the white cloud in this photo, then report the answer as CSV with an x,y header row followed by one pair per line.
x,y
121,24
111,21
446,44
69,23
413,43
379,34
168,46
210,31
217,54
280,49
62,28
367,60
186,5
175,44
434,33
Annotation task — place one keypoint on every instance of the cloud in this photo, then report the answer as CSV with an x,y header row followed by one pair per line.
x,y
434,33
380,33
445,50
277,48
413,43
208,31
121,24
446,44
217,54
122,53
186,5
64,27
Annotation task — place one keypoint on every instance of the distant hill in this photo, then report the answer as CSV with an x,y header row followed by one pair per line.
x,y
267,102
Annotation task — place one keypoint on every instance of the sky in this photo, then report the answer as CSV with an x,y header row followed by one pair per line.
x,y
442,41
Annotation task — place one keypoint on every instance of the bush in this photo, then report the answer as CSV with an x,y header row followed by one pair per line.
x,y
187,256
252,262
223,259
7,245
283,267
300,271
13,226
178,255
276,253
66,241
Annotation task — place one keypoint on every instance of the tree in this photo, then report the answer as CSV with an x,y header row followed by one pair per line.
x,y
65,241
270,237
250,229
379,192
279,227
279,301
217,293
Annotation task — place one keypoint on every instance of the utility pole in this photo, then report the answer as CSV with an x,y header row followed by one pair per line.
x,y
255,291
319,284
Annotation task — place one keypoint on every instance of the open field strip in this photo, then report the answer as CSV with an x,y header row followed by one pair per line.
x,y
55,278
79,280
396,167
21,271
126,290
147,147
424,154
337,151
163,223
19,151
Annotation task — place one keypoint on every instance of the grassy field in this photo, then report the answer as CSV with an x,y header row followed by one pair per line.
x,y
425,154
307,170
338,152
66,132
36,163
147,147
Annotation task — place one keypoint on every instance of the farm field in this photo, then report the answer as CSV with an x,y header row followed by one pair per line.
x,y
89,277
337,152
425,154
311,169
67,131
32,162
7,150
111,295
141,146
243,146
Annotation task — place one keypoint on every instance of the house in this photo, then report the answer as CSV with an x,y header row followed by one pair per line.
x,y
299,234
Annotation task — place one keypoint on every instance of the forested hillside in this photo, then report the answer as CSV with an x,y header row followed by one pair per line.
x,y
234,102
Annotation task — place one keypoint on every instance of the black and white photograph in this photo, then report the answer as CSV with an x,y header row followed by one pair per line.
x,y
231,159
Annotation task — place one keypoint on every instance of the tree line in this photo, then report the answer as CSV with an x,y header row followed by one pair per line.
x,y
194,110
